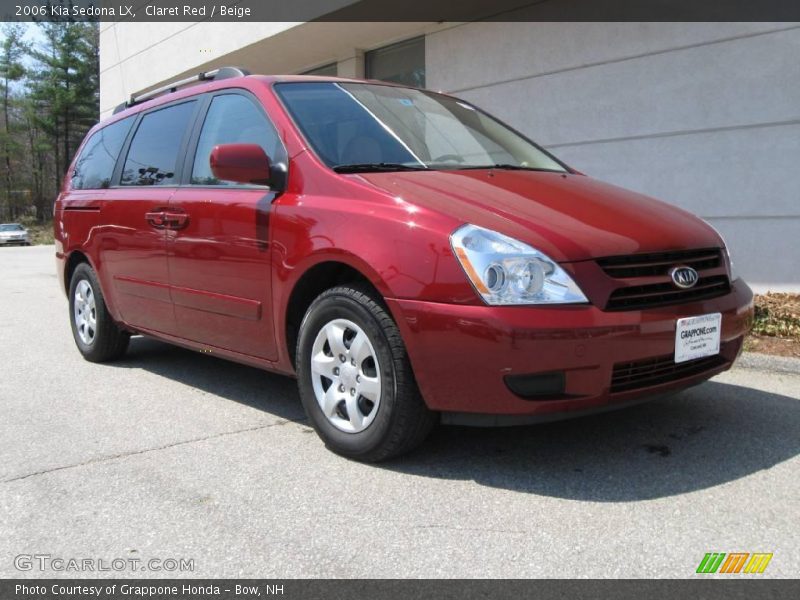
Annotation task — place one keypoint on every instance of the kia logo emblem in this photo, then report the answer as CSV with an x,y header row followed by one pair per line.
x,y
683,277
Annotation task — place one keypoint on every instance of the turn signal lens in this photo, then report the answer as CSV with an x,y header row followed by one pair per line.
x,y
732,273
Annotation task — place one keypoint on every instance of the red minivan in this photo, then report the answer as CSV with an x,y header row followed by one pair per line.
x,y
410,258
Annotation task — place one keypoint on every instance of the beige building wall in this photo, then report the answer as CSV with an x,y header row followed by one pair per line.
x,y
135,57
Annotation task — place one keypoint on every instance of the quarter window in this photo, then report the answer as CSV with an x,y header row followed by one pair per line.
x,y
233,119
153,154
95,165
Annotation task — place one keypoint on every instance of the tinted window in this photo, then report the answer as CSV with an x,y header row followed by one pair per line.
x,y
153,154
340,129
233,119
95,165
401,63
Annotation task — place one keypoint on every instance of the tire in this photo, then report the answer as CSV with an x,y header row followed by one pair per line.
x,y
393,419
98,337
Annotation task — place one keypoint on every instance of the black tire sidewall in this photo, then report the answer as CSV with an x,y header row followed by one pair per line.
x,y
85,272
321,312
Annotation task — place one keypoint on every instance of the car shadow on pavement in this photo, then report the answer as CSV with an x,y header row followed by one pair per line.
x,y
706,436
252,387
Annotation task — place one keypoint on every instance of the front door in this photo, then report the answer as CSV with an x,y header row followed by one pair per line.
x,y
219,252
220,270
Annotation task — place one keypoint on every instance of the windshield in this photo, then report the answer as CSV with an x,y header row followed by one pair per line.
x,y
11,227
360,127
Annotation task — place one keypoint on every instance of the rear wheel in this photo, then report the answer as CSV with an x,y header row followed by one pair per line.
x,y
97,336
355,379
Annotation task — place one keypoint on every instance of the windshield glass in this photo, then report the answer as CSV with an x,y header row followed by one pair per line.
x,y
356,126
11,227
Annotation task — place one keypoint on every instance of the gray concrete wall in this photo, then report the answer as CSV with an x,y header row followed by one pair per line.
x,y
703,115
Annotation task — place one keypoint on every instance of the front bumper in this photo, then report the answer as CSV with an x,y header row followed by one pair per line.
x,y
11,241
461,354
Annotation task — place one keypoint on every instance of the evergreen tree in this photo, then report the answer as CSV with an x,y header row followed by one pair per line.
x,y
12,51
50,99
39,153
64,90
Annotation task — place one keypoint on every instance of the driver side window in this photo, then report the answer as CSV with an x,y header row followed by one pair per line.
x,y
232,119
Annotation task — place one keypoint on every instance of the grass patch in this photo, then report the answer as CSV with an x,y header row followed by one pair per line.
x,y
40,233
776,326
777,315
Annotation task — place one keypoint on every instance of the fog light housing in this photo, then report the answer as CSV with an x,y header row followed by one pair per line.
x,y
537,386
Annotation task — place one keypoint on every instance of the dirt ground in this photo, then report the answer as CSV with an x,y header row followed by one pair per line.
x,y
772,345
776,327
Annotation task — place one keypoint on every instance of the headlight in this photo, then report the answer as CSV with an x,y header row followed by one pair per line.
x,y
506,271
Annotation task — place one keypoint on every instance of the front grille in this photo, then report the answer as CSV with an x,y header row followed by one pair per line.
x,y
659,263
654,371
639,297
659,289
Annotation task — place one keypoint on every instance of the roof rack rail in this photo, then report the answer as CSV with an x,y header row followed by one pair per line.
x,y
216,74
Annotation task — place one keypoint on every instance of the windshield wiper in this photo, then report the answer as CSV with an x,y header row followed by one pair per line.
x,y
508,167
373,167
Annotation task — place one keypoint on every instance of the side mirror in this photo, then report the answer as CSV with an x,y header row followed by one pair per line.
x,y
242,163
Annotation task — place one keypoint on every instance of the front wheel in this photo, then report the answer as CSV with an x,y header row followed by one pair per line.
x,y
355,379
97,336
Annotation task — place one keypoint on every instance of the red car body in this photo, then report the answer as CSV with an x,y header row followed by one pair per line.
x,y
233,278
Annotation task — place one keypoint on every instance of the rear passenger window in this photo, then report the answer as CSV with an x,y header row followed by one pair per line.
x,y
153,153
95,165
233,119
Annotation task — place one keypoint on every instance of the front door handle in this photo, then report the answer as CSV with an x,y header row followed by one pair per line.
x,y
156,218
176,220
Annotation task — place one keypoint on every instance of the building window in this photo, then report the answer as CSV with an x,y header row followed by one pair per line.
x,y
401,63
330,70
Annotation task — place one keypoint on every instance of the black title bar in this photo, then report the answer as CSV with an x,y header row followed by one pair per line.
x,y
403,10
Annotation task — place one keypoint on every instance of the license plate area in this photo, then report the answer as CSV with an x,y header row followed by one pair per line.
x,y
697,337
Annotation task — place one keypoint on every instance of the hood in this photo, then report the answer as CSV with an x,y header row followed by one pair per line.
x,y
568,217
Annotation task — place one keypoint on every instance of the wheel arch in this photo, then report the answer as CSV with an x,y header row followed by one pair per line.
x,y
314,280
75,258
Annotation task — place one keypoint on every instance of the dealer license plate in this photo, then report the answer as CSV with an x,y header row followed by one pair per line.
x,y
696,337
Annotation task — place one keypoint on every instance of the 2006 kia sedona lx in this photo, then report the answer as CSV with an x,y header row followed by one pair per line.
x,y
408,257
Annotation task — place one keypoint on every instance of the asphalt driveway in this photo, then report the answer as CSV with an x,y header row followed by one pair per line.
x,y
171,454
